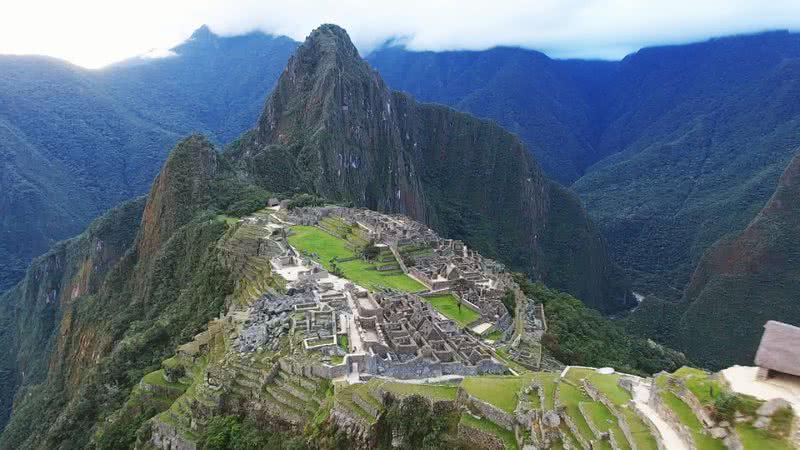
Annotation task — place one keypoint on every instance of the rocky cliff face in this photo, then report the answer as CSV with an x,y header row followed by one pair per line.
x,y
38,330
333,128
97,310
746,279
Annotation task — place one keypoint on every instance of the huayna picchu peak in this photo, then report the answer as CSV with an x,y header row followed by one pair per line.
x,y
333,128
364,271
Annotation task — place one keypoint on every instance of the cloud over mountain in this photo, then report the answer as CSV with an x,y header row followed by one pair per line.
x,y
573,28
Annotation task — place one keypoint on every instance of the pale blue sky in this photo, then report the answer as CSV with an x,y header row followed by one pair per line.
x,y
93,33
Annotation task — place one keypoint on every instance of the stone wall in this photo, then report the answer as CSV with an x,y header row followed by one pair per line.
x,y
358,430
697,408
666,413
652,426
367,406
589,421
164,436
598,396
475,438
483,409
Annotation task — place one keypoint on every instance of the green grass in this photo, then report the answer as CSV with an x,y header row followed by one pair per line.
x,y
435,392
494,335
604,420
547,381
156,378
570,397
699,382
642,435
755,439
606,384
344,343
687,417
490,427
496,390
313,240
447,304
343,395
227,219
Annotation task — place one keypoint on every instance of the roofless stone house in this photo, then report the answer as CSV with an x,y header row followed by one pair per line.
x,y
779,351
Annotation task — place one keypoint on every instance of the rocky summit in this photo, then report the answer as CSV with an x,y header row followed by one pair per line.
x,y
333,128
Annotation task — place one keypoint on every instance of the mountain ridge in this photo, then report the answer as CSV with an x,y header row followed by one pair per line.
x,y
333,120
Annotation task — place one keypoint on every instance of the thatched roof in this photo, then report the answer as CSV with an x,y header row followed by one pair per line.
x,y
780,348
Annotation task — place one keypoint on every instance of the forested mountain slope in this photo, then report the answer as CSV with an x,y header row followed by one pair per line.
x,y
699,135
333,128
742,281
74,142
550,104
670,148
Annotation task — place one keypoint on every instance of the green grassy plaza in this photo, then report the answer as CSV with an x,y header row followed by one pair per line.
x,y
447,304
327,248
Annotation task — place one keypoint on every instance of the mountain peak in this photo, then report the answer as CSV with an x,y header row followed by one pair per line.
x,y
328,39
203,33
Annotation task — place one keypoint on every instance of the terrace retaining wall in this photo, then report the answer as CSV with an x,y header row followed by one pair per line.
x,y
479,438
670,417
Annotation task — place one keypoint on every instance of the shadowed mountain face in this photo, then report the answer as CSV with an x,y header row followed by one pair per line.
x,y
670,149
554,106
746,279
333,128
74,142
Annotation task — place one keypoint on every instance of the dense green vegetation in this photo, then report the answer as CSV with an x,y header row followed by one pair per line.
x,y
231,433
132,293
77,142
580,336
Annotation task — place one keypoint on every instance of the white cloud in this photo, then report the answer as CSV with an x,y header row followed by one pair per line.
x,y
97,32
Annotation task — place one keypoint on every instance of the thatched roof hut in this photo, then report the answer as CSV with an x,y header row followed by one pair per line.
x,y
780,348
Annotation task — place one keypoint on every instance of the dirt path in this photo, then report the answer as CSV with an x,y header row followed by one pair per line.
x,y
669,435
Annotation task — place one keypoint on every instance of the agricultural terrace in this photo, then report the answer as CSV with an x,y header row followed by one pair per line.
x,y
499,391
333,252
608,385
509,441
447,304
685,414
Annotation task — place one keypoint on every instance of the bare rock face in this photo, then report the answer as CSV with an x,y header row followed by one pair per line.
x,y
333,128
772,406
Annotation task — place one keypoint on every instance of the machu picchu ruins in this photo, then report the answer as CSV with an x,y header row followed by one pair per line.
x,y
347,313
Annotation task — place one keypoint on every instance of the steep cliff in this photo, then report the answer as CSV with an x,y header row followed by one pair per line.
x,y
746,279
93,314
333,128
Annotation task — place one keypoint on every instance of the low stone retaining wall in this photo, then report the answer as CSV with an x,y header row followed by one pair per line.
x,y
479,438
574,429
358,430
670,417
164,436
589,421
652,426
697,408
483,409
598,396
369,407
160,391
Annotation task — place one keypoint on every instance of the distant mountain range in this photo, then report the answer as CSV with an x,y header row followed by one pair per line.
x,y
75,142
670,149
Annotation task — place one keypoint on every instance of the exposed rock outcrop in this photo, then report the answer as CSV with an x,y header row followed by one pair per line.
x,y
333,128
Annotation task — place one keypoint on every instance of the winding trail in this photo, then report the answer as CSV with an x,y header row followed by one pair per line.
x,y
671,438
